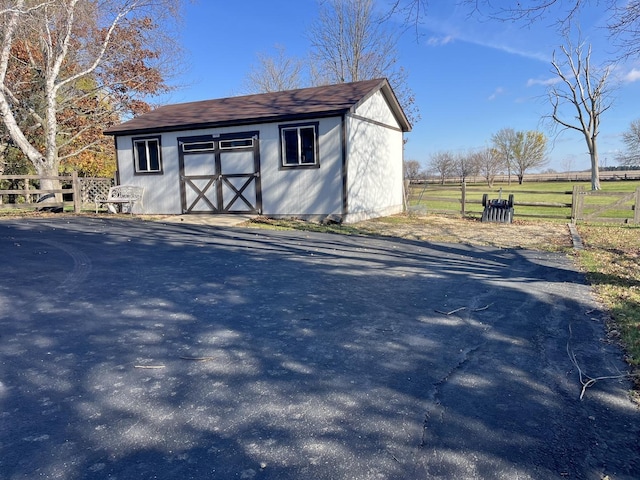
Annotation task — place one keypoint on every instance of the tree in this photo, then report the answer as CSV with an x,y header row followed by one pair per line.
x,y
349,44
489,163
465,165
529,151
567,162
504,143
623,26
583,89
275,73
442,163
631,139
412,170
70,67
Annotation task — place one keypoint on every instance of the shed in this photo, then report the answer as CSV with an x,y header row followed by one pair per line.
x,y
334,150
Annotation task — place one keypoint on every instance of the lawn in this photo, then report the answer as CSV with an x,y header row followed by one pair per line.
x,y
532,199
612,261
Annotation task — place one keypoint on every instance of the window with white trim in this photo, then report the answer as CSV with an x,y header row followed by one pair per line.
x,y
299,145
147,155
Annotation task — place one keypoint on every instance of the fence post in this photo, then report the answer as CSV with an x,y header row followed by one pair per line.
x,y
464,198
77,200
636,207
576,211
27,197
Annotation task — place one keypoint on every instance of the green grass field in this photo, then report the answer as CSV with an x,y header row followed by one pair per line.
x,y
550,200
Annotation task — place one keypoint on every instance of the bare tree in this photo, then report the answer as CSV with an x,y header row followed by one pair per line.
x,y
504,142
530,151
623,26
529,11
59,56
465,166
490,163
631,139
567,162
275,73
443,163
350,43
583,89
412,170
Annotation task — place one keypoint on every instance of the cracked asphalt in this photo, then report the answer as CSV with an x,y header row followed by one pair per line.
x,y
133,349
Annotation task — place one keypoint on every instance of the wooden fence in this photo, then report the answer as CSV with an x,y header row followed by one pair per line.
x,y
24,191
575,205
605,207
583,176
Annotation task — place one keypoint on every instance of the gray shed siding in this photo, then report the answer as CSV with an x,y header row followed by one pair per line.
x,y
302,192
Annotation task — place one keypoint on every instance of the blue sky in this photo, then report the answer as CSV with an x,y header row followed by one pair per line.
x,y
471,76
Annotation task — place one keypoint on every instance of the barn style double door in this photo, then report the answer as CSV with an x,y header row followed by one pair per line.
x,y
220,174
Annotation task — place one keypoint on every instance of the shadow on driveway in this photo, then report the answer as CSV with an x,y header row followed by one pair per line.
x,y
141,350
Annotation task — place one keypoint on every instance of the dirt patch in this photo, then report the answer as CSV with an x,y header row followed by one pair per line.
x,y
547,236
519,234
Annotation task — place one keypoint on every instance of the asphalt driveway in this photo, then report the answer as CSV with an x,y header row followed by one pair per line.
x,y
140,350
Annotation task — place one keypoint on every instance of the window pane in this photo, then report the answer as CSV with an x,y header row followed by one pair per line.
x,y
308,151
141,156
228,144
290,140
197,146
154,156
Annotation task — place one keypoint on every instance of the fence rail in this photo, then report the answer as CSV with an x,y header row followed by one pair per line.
x,y
584,176
580,204
24,191
606,207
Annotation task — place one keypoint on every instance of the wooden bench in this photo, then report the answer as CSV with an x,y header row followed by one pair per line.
x,y
120,195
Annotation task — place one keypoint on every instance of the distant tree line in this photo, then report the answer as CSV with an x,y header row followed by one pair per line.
x,y
620,168
511,151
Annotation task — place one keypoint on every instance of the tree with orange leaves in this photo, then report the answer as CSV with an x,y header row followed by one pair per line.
x,y
70,68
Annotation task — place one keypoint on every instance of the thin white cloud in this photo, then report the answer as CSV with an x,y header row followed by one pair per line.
x,y
632,76
440,41
496,93
545,83
510,50
453,23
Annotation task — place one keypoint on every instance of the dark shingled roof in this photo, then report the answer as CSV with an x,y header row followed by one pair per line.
x,y
329,100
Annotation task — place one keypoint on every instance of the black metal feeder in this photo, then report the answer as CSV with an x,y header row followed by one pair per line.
x,y
497,210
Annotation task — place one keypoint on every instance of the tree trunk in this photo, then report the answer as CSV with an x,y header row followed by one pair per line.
x,y
49,168
595,167
520,178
